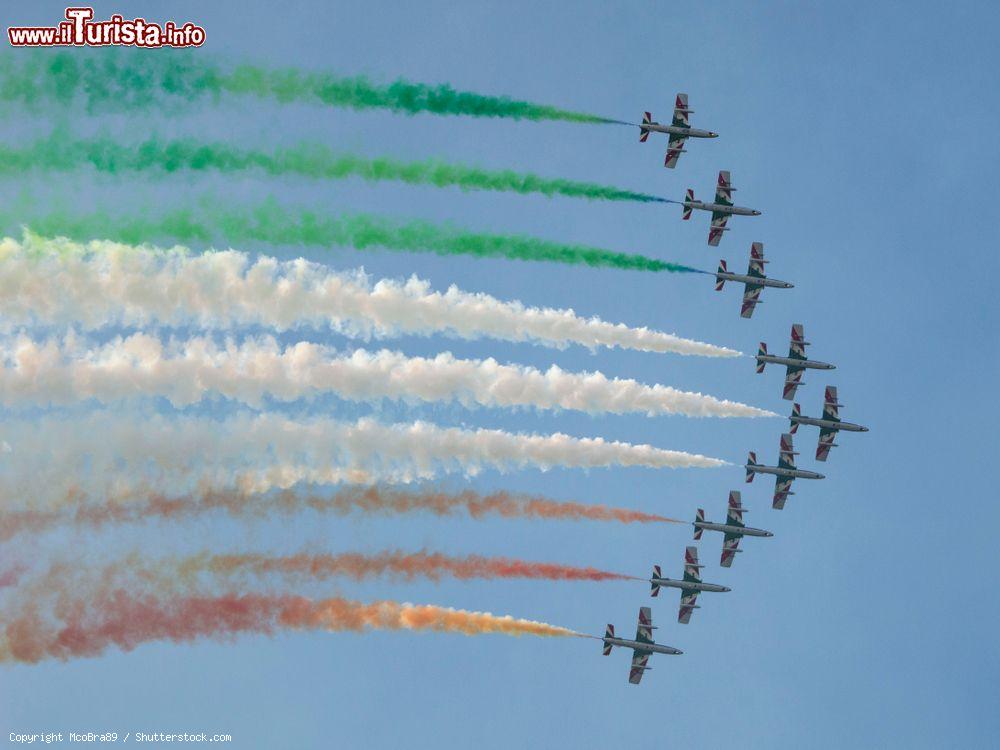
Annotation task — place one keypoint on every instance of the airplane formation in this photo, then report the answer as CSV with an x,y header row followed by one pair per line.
x,y
796,363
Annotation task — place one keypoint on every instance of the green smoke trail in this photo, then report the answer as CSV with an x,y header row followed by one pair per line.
x,y
120,79
273,224
309,160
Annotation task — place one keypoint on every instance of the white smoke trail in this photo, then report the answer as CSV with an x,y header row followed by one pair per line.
x,y
53,459
53,372
103,283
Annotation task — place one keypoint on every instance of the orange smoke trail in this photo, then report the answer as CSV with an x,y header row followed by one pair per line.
x,y
361,499
91,626
431,565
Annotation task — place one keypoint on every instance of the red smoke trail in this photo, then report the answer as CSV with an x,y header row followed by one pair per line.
x,y
361,499
89,626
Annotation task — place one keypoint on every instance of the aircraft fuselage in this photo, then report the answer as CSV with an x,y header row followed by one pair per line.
x,y
829,424
691,585
811,364
780,472
755,280
721,208
651,648
730,529
656,127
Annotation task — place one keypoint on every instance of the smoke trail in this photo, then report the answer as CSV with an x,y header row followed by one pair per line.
x,y
88,626
97,455
308,160
141,506
116,80
51,372
268,222
59,282
401,565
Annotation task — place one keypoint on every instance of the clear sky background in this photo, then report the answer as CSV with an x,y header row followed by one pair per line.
x,y
866,133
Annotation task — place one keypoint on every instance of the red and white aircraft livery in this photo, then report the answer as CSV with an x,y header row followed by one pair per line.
x,y
733,528
829,425
679,130
753,282
783,473
721,209
795,363
642,647
691,585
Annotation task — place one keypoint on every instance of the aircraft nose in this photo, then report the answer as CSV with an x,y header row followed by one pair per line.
x,y
756,213
864,429
768,534
726,588
820,476
713,135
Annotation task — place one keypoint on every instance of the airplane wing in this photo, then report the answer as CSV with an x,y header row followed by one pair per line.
x,y
793,379
692,570
675,147
786,452
689,597
734,513
724,189
751,296
730,544
723,196
782,489
681,111
639,660
756,260
717,229
831,408
644,631
797,345
826,438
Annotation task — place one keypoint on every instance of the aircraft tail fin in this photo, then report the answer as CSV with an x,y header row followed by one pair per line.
x,y
644,132
653,585
608,633
761,352
698,517
688,209
751,462
796,412
719,281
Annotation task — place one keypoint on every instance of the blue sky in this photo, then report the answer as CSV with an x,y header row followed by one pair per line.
x,y
866,135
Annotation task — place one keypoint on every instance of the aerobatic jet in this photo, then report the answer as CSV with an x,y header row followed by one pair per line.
x,y
794,363
642,647
829,425
721,209
753,282
733,528
691,585
679,130
784,472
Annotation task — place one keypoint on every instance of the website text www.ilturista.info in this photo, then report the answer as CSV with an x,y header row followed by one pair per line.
x,y
80,30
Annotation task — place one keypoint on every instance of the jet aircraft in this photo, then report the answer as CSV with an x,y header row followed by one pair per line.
x,y
784,473
691,585
642,647
753,282
829,425
733,529
721,209
795,363
679,130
